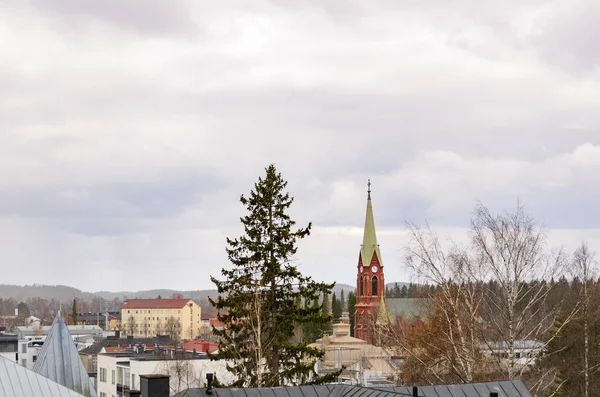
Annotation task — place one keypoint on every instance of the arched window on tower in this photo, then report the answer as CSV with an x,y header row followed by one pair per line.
x,y
374,286
362,287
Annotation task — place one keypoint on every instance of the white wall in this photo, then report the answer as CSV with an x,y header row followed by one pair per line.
x,y
195,377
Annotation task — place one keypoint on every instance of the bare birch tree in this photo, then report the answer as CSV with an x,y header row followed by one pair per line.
x,y
453,347
172,327
130,326
182,373
511,248
584,266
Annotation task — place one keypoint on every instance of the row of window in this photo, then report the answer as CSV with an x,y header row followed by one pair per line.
x,y
373,286
102,375
148,311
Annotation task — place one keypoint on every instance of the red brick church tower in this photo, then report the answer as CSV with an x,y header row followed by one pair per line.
x,y
370,283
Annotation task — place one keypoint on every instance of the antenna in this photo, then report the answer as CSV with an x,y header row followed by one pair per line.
x,y
369,189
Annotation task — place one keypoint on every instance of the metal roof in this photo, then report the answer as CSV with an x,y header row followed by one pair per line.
x,y
514,388
369,246
16,380
59,360
409,308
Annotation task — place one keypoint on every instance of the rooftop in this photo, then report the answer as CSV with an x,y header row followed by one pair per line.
x,y
113,342
157,303
59,360
14,377
514,388
160,355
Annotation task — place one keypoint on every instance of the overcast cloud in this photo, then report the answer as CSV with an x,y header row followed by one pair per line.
x,y
129,129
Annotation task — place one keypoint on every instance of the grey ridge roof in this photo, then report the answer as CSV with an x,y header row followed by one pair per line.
x,y
409,308
514,388
59,360
16,380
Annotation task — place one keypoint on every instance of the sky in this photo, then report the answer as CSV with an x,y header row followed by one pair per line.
x,y
129,129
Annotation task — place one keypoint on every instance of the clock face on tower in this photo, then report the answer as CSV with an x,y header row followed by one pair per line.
x,y
374,269
361,269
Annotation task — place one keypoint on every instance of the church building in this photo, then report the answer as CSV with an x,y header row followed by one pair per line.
x,y
372,307
370,282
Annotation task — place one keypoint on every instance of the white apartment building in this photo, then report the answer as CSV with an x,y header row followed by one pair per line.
x,y
118,372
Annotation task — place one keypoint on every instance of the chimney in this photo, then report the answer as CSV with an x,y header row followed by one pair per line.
x,y
415,391
209,382
154,385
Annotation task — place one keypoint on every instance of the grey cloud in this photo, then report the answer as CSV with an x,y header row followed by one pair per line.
x,y
129,145
568,38
147,17
112,208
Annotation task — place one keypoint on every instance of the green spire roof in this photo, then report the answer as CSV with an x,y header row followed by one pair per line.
x,y
369,245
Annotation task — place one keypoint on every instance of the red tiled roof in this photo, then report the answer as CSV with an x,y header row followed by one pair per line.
x,y
113,349
155,303
201,346
210,315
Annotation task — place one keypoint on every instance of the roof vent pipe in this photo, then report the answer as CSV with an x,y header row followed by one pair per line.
x,y
209,382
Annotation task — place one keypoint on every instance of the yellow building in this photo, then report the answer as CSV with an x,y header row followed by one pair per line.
x,y
178,318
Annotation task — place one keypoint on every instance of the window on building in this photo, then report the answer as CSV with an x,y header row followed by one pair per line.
x,y
102,394
24,362
102,374
112,377
374,286
24,348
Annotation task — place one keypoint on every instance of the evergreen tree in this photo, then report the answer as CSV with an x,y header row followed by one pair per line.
x,y
74,313
336,308
412,291
351,304
265,296
404,292
397,291
342,300
326,311
23,310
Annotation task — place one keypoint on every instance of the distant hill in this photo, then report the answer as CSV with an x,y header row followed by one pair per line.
x,y
21,293
65,293
153,293
193,294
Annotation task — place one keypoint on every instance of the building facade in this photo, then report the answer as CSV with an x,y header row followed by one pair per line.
x,y
178,318
370,280
119,372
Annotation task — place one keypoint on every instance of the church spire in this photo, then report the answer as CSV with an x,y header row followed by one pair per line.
x,y
369,245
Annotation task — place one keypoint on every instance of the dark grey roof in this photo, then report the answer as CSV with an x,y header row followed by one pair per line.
x,y
514,388
409,308
106,342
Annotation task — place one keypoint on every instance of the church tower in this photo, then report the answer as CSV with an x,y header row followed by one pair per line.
x,y
370,283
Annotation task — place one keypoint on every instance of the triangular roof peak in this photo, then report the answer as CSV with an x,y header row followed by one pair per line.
x,y
59,360
369,245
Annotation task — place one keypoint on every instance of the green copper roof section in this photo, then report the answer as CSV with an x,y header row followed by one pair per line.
x,y
369,245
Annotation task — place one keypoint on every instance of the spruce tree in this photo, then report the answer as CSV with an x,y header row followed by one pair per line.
x,y
74,313
342,300
265,296
404,292
336,308
351,304
326,311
